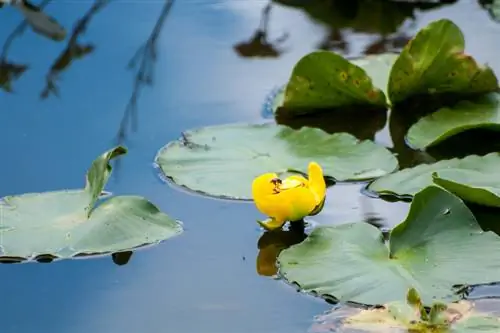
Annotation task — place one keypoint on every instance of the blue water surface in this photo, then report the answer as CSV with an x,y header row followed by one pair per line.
x,y
205,280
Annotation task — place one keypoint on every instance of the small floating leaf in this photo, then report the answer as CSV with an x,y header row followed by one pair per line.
x,y
473,170
428,251
223,160
67,223
434,62
326,80
447,122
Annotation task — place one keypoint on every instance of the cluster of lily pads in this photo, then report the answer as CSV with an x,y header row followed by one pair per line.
x,y
438,246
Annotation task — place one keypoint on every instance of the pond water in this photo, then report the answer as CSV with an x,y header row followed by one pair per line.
x,y
206,279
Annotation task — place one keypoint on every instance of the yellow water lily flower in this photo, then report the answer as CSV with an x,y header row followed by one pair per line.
x,y
290,199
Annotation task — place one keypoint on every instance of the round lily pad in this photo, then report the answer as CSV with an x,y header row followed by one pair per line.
x,y
67,223
223,160
438,246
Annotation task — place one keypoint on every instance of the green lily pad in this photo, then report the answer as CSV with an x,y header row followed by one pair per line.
x,y
223,160
434,62
470,185
326,80
64,224
447,122
470,170
377,67
439,245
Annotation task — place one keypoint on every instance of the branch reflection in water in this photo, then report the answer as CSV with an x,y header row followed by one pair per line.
x,y
388,25
74,50
9,70
145,57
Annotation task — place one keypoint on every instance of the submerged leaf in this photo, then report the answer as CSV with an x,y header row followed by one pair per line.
x,y
324,79
446,122
223,160
60,224
473,170
434,62
439,245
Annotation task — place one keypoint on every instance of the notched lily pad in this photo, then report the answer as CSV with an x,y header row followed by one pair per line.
x,y
69,223
362,122
326,80
434,63
439,245
447,122
223,160
473,170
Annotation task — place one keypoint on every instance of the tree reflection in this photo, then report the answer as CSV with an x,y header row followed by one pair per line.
x,y
145,57
493,8
73,50
9,70
259,45
386,20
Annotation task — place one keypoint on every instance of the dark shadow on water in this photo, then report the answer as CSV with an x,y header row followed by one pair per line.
x,y
404,115
118,258
472,142
361,122
487,217
121,258
271,243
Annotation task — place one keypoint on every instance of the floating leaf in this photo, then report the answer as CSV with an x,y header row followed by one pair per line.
x,y
434,62
439,245
446,122
67,223
223,160
361,122
470,185
326,80
470,170
377,67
